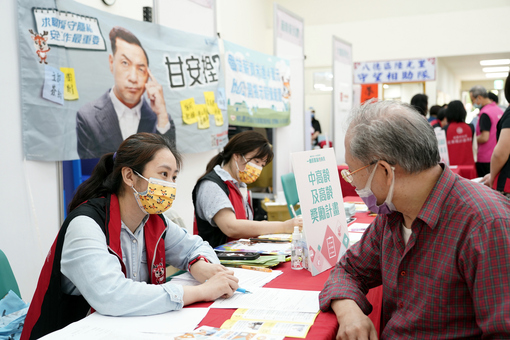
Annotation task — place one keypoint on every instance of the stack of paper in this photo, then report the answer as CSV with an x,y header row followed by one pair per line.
x,y
264,261
245,245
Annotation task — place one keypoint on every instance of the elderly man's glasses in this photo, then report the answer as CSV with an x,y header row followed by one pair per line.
x,y
347,175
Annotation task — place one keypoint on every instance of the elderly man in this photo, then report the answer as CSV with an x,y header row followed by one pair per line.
x,y
488,118
440,245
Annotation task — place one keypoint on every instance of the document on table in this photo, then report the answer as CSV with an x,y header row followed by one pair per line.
x,y
274,299
295,330
212,333
358,227
96,325
247,278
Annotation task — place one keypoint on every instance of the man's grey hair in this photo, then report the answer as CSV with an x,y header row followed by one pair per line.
x,y
394,132
478,90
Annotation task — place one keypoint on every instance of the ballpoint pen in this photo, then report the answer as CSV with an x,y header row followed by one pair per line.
x,y
242,290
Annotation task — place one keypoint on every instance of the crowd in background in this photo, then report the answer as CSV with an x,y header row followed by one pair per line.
x,y
484,142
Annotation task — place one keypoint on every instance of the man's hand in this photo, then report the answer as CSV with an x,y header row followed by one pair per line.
x,y
203,271
353,323
157,100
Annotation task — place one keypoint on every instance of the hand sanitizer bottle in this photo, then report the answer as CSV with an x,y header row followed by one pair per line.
x,y
296,259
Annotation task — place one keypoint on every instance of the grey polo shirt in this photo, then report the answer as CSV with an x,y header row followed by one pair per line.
x,y
211,198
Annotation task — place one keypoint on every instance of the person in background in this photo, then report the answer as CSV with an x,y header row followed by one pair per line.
x,y
222,203
434,109
316,128
420,103
441,117
499,176
439,246
494,97
486,127
459,135
112,250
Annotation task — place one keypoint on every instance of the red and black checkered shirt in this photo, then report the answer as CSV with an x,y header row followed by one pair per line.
x,y
451,281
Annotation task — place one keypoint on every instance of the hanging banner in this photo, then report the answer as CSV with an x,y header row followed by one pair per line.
x,y
257,88
395,71
321,201
90,79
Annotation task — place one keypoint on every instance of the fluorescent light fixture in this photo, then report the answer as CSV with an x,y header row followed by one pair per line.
x,y
496,69
494,62
497,75
386,86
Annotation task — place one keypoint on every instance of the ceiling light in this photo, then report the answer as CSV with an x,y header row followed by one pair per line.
x,y
386,86
494,62
496,69
496,75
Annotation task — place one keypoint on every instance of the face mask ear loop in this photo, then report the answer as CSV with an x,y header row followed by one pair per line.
x,y
369,181
390,194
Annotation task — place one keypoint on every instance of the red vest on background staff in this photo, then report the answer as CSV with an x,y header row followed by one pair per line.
x,y
459,139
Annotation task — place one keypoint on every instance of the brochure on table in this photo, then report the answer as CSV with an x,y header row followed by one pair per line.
x,y
320,196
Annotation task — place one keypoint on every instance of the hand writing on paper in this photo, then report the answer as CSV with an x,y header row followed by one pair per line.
x,y
203,271
353,323
223,284
157,99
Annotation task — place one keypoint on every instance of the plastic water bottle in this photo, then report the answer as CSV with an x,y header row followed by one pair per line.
x,y
304,248
296,259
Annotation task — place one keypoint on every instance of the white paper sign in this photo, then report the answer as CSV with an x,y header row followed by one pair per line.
x,y
68,29
443,146
321,200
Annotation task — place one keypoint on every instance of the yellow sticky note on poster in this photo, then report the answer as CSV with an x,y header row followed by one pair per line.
x,y
218,116
189,113
203,116
209,101
70,89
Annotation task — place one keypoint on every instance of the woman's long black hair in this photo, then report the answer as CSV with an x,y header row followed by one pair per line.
x,y
135,152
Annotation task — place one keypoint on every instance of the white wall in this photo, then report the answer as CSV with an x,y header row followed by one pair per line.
x,y
413,36
30,204
248,23
389,36
447,83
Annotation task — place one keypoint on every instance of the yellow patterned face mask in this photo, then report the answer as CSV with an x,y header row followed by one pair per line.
x,y
251,172
158,197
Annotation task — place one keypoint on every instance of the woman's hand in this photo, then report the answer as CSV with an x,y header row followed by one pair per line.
x,y
293,222
488,180
203,271
221,284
